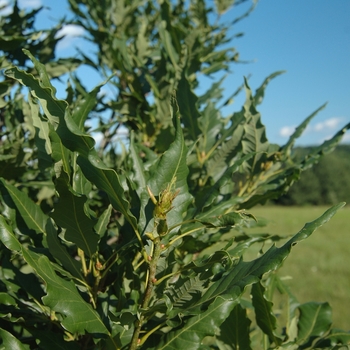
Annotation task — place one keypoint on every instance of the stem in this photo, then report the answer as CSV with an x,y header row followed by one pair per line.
x,y
83,261
148,292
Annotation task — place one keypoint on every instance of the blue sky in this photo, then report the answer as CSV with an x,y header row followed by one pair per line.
x,y
309,39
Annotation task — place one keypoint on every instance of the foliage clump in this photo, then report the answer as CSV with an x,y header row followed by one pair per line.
x,y
103,249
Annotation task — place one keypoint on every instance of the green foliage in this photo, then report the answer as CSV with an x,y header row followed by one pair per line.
x,y
145,248
323,184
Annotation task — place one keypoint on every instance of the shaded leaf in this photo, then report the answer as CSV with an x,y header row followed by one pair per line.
x,y
235,330
11,342
69,213
63,297
265,318
107,180
193,331
314,321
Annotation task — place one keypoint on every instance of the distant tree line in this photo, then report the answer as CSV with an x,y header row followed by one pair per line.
x,y
326,183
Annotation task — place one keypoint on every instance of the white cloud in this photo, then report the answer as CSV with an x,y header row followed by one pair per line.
x,y
6,8
324,126
70,33
23,4
286,131
331,123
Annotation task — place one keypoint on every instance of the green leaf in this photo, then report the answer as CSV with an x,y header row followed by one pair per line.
x,y
107,180
225,220
337,336
245,273
326,147
187,101
7,237
193,331
235,330
69,213
172,167
56,110
254,138
63,297
42,138
103,221
11,342
31,213
260,92
314,321
265,318
286,149
41,223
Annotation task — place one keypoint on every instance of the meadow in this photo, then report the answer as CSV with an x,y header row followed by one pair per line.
x,y
318,268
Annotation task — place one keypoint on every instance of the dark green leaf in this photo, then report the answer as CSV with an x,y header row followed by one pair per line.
x,y
107,180
265,318
207,323
70,214
235,332
63,297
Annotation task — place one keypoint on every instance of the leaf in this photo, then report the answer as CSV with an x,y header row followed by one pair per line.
x,y
286,149
224,220
254,138
63,297
69,213
42,139
187,101
245,273
103,221
260,92
193,331
222,156
166,40
11,342
235,330
223,5
337,336
53,340
326,147
265,318
207,196
172,166
56,110
32,215
314,321
107,180
7,237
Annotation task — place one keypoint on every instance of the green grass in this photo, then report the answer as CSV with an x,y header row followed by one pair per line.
x,y
319,267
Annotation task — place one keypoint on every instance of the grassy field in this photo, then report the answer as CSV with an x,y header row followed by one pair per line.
x,y
319,267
